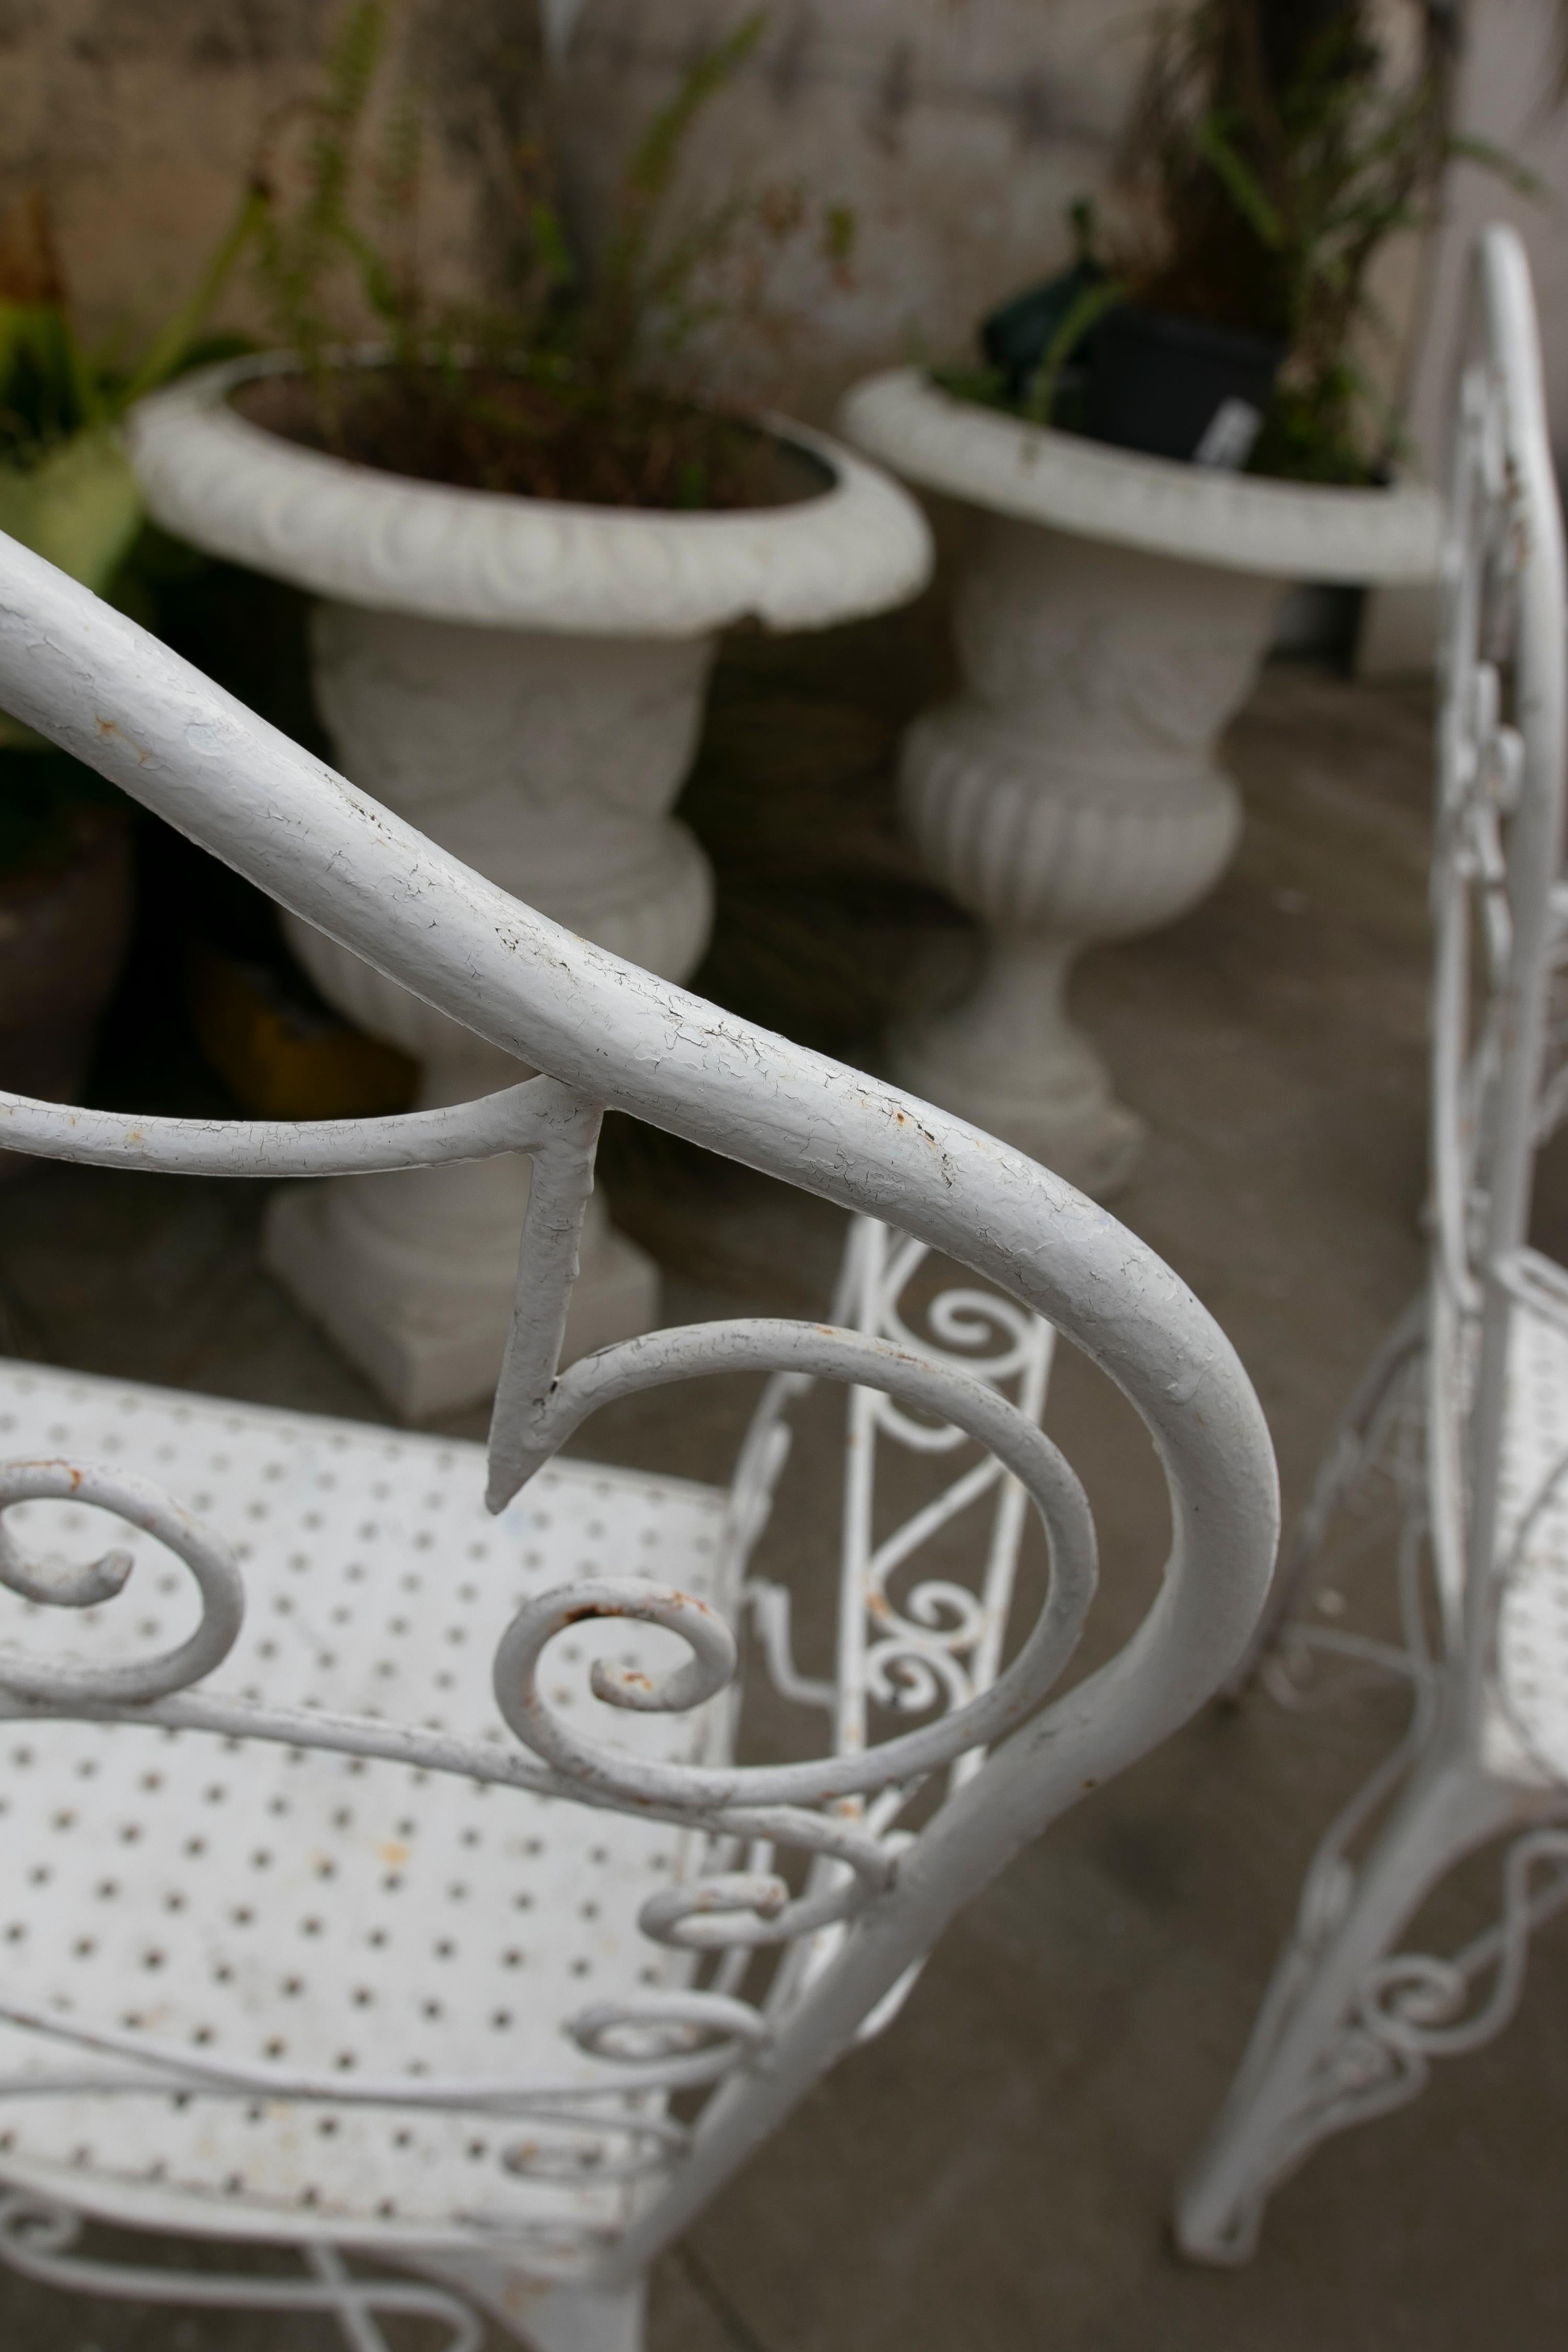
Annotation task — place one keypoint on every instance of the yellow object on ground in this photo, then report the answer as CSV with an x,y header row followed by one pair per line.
x,y
285,1059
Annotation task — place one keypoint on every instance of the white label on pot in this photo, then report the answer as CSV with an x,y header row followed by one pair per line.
x,y
1229,436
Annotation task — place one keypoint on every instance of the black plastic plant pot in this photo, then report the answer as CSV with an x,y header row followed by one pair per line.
x,y
1178,388
1016,338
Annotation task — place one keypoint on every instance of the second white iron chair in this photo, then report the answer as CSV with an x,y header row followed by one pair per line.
x,y
1463,1414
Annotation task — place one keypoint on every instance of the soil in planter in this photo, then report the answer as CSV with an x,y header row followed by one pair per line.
x,y
512,434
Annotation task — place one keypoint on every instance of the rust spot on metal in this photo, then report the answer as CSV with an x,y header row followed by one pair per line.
x,y
393,1853
580,1616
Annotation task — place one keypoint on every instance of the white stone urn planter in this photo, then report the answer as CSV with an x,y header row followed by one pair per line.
x,y
522,680
1111,613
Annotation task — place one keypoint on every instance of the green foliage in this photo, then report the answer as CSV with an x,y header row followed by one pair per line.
x,y
1085,312
839,231
299,251
340,229
1274,148
1272,153
643,289
66,488
52,387
48,388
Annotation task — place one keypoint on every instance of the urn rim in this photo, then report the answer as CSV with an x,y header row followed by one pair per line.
x,y
393,543
1033,472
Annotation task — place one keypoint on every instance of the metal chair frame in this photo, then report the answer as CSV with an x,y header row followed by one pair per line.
x,y
836,1873
1461,1418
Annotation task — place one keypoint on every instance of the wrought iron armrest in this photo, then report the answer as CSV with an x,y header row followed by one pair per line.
x,y
1012,1751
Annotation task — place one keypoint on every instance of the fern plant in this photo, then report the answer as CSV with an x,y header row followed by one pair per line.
x,y
1273,149
1271,154
570,383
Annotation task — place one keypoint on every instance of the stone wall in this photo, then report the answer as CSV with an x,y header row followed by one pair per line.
x,y
141,119
956,131
1507,98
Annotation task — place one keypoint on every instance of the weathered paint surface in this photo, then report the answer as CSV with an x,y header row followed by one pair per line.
x,y
610,1035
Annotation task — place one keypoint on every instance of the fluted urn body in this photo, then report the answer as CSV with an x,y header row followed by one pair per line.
x,y
549,764
1111,612
523,681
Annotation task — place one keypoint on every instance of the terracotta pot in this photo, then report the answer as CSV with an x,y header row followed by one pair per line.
x,y
64,931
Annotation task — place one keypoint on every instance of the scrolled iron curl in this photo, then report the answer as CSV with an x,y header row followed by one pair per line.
x,y
731,1909
774,1804
964,1320
570,2149
680,2039
1408,2000
167,2068
911,1676
1415,2003
43,2227
610,1773
60,1585
934,1614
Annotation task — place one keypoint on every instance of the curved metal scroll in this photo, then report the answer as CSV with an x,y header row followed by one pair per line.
x,y
615,1036
38,2238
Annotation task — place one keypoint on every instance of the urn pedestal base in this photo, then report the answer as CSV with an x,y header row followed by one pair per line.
x,y
548,763
1009,1059
522,680
428,1324
1070,794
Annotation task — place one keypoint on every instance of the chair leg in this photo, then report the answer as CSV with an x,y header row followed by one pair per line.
x,y
578,2319
1316,2063
1343,1463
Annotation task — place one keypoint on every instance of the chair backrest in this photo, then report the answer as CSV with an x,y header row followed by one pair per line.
x,y
1496,1084
912,1634
997,1757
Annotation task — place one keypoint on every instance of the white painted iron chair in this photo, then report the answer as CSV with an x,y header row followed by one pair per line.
x,y
375,1874
1463,1415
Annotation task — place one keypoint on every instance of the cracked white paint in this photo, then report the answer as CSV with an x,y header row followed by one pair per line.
x,y
611,1035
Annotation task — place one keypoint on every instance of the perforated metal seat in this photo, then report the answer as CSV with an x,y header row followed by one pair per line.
x,y
338,1915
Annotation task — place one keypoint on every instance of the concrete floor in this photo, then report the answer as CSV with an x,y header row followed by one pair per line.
x,y
996,2170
